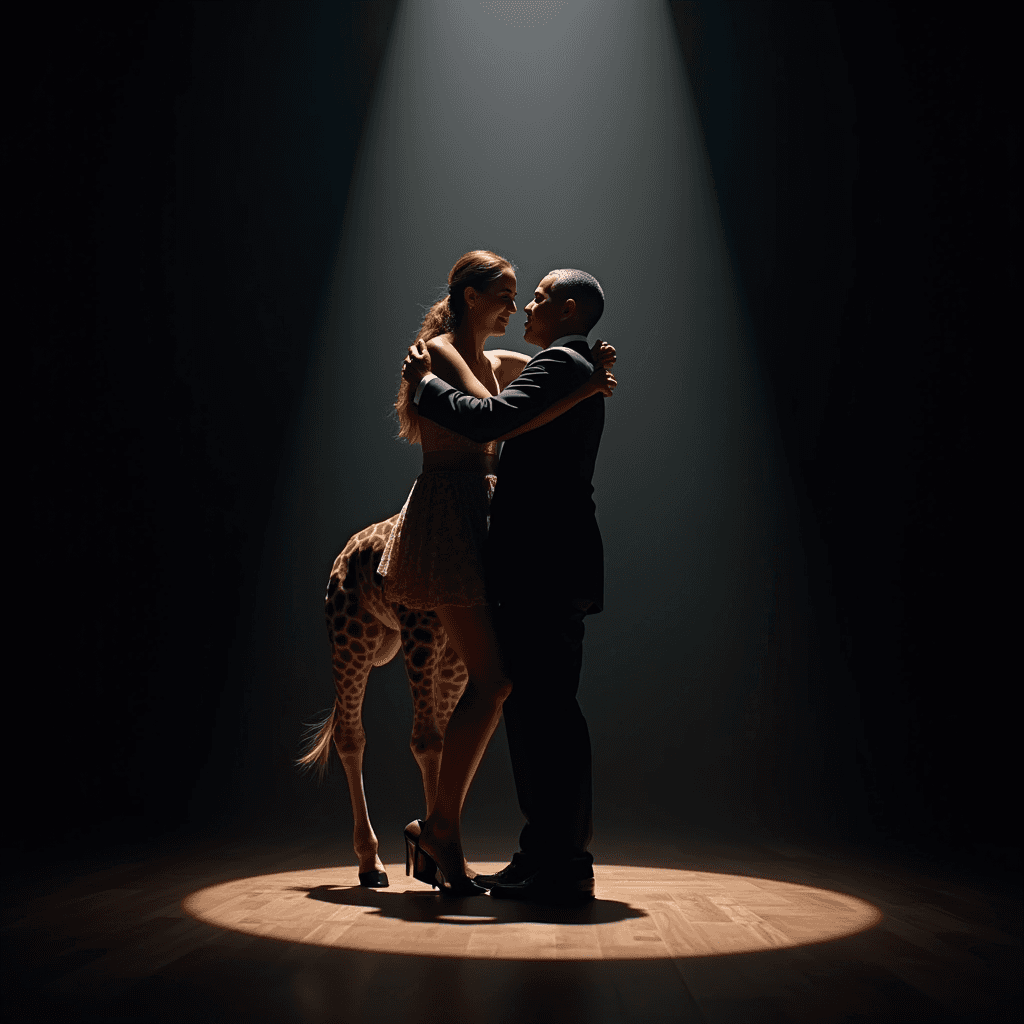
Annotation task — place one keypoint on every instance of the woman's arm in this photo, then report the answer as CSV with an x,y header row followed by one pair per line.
x,y
486,419
510,365
601,382
446,362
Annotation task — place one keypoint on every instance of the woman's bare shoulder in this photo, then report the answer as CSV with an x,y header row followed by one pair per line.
x,y
507,353
450,365
442,348
441,343
507,365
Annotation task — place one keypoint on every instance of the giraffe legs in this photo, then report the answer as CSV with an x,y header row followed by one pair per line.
x,y
365,630
364,839
350,742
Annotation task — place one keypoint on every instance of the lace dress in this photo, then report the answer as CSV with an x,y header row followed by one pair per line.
x,y
434,556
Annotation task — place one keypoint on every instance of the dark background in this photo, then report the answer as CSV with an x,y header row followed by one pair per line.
x,y
162,277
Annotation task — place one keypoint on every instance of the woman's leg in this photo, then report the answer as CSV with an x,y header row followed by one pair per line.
x,y
471,632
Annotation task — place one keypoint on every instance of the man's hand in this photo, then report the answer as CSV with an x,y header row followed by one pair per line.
x,y
417,363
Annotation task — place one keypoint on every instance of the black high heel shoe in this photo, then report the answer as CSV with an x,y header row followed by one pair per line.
x,y
418,862
424,868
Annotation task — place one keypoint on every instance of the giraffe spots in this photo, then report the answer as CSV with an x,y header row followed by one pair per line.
x,y
361,622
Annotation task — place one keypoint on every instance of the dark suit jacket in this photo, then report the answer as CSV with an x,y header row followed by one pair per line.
x,y
544,545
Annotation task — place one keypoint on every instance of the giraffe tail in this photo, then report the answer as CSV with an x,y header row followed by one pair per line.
x,y
317,742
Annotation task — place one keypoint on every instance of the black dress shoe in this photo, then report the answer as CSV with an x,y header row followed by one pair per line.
x,y
557,886
518,871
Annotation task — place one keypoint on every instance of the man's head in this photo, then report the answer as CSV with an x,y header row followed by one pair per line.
x,y
565,302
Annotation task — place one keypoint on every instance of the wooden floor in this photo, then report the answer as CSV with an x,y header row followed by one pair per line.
x,y
236,931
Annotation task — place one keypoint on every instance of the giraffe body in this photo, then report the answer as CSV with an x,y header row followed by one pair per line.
x,y
366,630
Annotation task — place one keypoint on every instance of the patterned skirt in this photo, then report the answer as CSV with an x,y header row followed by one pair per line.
x,y
434,556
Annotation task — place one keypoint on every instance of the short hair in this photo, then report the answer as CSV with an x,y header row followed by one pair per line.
x,y
584,290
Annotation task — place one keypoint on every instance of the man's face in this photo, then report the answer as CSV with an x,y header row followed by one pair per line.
x,y
544,318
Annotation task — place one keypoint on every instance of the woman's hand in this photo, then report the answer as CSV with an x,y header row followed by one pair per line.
x,y
602,380
417,363
602,354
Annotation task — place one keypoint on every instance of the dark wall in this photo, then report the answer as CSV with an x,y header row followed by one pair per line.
x,y
882,413
906,461
184,170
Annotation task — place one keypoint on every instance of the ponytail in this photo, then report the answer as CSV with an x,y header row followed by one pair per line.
x,y
476,269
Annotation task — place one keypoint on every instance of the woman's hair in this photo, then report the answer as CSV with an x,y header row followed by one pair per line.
x,y
477,269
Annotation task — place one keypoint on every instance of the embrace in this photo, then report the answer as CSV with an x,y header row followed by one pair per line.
x,y
507,555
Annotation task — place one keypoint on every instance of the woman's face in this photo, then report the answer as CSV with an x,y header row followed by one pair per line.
x,y
491,309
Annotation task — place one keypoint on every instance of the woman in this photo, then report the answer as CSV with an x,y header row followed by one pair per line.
x,y
434,557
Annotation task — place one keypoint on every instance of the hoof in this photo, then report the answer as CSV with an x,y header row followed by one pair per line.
x,y
373,879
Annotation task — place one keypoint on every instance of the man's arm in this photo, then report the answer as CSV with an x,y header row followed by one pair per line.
x,y
548,377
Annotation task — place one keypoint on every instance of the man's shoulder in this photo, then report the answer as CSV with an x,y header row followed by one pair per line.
x,y
561,357
562,352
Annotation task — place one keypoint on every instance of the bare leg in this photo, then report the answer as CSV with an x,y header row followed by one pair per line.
x,y
471,632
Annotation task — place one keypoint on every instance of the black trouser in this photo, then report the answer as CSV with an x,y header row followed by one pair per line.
x,y
548,739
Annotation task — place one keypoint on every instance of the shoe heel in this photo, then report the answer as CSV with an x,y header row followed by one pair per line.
x,y
424,869
418,862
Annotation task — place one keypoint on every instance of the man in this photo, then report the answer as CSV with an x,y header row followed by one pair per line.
x,y
545,572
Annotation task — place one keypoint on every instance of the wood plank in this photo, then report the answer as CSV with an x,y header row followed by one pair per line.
x,y
294,941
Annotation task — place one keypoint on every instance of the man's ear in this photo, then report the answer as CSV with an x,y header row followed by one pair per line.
x,y
568,310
